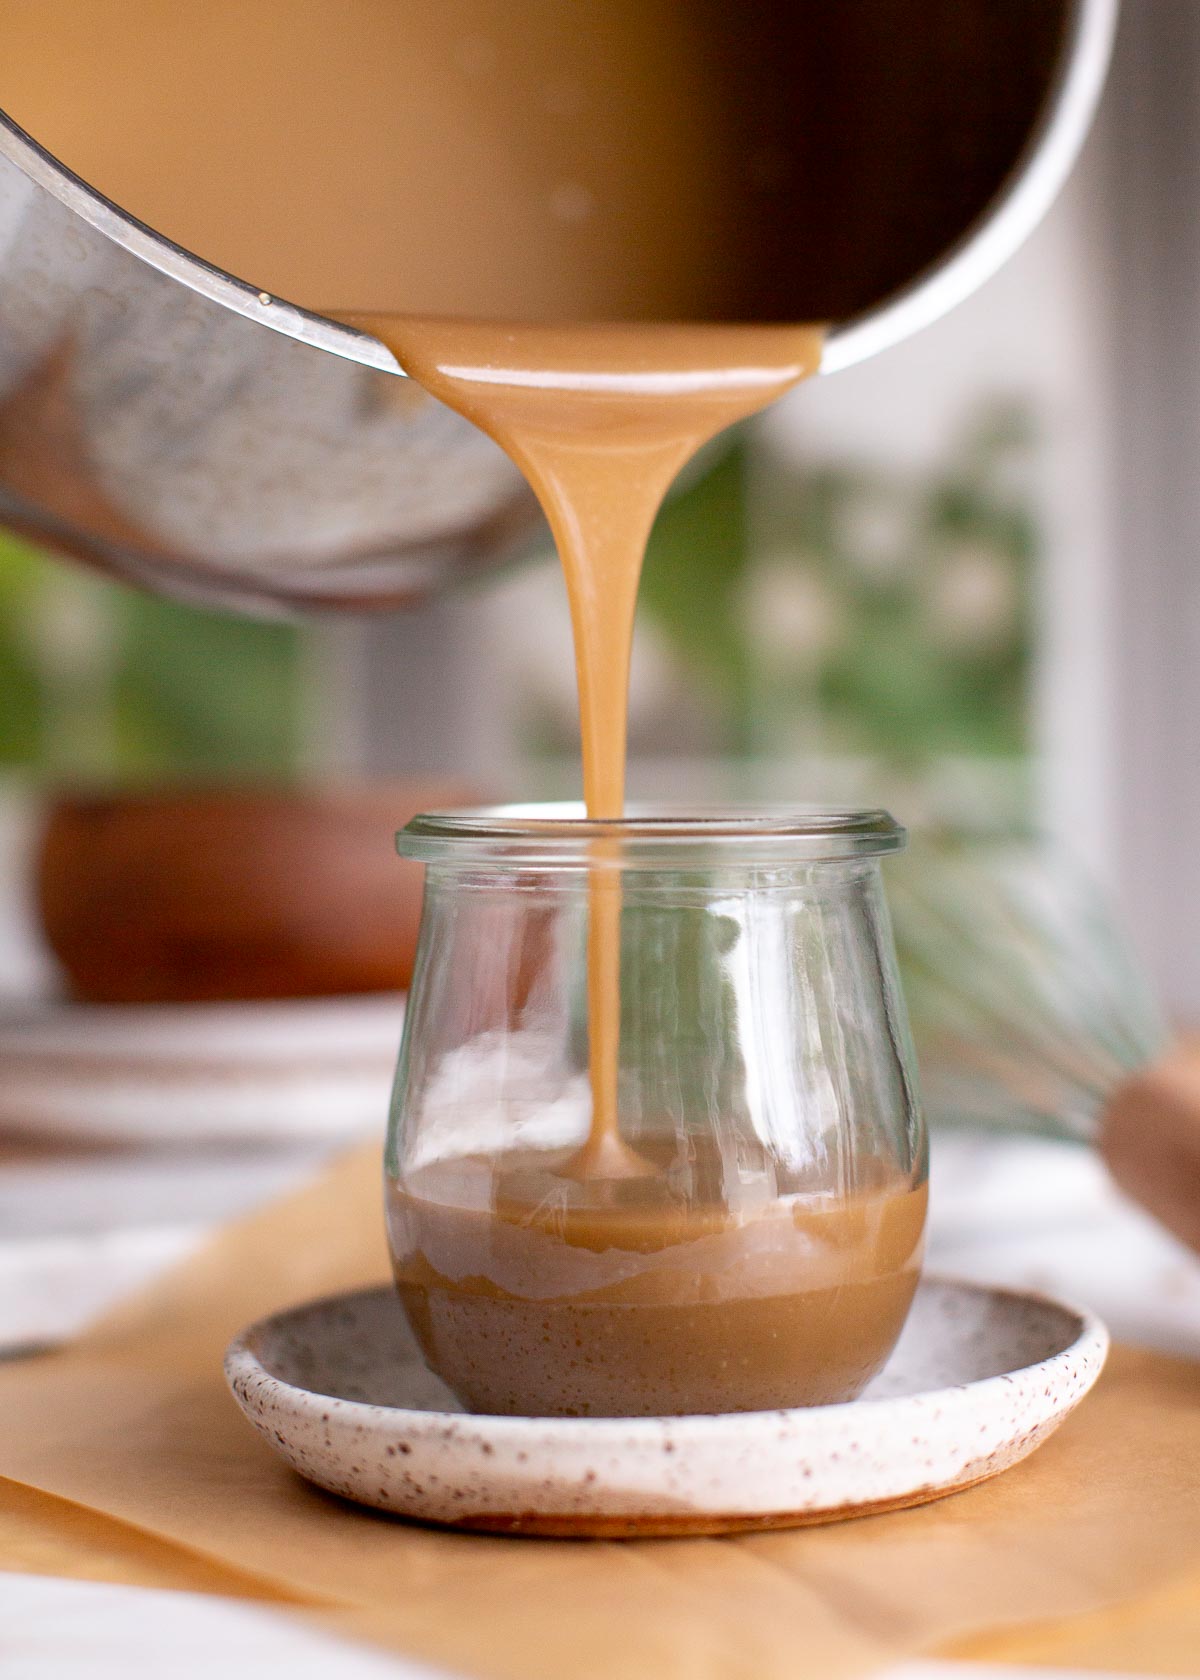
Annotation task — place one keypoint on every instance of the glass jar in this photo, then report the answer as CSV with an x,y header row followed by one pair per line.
x,y
743,1230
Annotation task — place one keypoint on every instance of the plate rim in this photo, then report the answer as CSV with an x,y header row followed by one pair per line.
x,y
242,1365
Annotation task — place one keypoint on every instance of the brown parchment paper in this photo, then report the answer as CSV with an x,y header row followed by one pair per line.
x,y
134,1422
1158,1633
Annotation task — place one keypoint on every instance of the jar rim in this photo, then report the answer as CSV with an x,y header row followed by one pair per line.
x,y
649,836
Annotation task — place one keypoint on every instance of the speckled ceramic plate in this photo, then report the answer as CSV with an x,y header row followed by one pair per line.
x,y
979,1379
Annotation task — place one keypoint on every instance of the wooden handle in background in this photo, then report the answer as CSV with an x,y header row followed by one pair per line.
x,y
1150,1140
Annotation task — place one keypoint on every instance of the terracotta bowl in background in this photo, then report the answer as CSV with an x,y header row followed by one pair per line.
x,y
200,895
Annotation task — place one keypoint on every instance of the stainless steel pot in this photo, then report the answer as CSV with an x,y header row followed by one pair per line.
x,y
177,426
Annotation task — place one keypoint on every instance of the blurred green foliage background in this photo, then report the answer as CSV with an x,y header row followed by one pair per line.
x,y
855,610
99,682
839,609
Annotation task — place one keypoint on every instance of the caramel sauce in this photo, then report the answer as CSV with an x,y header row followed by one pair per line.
x,y
530,1295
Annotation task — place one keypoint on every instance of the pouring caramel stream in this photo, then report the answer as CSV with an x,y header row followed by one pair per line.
x,y
600,418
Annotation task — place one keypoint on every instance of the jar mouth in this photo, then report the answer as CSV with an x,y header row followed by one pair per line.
x,y
650,836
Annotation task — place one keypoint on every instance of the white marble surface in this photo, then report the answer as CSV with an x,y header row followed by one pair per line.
x,y
82,1228
1046,1216
84,1630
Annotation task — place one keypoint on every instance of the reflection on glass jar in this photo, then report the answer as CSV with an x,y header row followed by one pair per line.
x,y
752,1237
